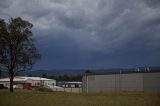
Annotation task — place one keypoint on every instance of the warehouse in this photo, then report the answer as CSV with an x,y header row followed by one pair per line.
x,y
147,81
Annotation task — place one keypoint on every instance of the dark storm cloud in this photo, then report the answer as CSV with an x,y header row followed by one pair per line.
x,y
93,28
5,3
153,3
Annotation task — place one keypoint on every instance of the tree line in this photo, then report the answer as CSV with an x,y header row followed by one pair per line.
x,y
64,77
67,77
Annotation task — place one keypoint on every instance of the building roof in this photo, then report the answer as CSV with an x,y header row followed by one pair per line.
x,y
21,78
71,82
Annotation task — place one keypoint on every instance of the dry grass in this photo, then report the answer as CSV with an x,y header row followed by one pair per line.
x,y
33,98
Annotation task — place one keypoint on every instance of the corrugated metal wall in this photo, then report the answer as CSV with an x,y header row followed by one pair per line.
x,y
151,82
132,82
122,82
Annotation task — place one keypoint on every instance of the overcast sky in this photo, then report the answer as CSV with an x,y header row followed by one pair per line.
x,y
91,33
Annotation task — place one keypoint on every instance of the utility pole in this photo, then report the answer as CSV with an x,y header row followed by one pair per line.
x,y
87,83
120,80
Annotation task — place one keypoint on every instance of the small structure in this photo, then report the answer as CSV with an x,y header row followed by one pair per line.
x,y
28,82
147,81
72,84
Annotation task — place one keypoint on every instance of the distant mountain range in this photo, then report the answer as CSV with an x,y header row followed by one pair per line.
x,y
57,72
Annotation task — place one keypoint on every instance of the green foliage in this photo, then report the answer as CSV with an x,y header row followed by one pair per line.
x,y
44,75
67,77
88,72
18,51
30,75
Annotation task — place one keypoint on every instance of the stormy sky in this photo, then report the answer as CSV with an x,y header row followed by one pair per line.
x,y
91,33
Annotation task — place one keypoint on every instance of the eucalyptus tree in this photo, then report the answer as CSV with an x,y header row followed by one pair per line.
x,y
17,47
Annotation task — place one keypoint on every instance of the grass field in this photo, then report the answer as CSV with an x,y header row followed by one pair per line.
x,y
33,98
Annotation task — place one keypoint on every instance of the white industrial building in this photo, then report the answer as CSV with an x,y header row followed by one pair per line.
x,y
146,81
28,82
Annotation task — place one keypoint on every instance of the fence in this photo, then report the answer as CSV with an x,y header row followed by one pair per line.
x,y
73,90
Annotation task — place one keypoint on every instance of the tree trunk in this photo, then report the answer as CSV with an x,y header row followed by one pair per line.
x,y
11,83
